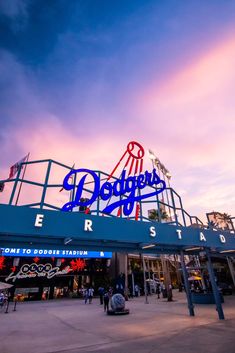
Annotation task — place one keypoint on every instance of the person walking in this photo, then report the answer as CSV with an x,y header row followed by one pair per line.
x,y
2,296
163,290
90,294
86,295
110,292
101,294
106,301
137,290
158,290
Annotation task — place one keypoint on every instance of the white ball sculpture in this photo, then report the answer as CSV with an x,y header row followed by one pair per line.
x,y
117,302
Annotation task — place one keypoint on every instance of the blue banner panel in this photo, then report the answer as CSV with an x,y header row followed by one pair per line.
x,y
64,253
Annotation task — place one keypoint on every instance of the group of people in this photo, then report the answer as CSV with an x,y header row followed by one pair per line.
x,y
105,294
88,294
160,289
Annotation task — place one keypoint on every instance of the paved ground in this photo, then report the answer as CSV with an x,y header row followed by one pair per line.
x,y
70,326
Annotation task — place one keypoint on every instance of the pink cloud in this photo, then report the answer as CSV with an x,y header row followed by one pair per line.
x,y
191,116
188,121
203,77
194,108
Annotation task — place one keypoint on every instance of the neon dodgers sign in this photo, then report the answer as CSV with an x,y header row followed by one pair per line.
x,y
126,185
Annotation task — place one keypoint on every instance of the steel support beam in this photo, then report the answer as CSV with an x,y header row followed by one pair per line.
x,y
216,293
231,269
186,285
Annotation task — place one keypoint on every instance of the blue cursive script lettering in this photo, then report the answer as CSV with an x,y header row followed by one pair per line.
x,y
124,186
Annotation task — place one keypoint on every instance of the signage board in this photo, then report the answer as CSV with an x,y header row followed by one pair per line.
x,y
126,188
64,253
37,270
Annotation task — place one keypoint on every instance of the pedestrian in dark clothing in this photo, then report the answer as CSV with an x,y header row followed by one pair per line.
x,y
106,301
158,290
86,295
101,294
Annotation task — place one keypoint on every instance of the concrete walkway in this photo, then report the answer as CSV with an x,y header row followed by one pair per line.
x,y
70,326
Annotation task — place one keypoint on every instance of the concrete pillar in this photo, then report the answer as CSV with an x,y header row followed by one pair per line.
x,y
167,278
158,270
118,265
145,284
178,272
122,263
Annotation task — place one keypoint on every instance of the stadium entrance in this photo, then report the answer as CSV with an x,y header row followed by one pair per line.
x,y
98,212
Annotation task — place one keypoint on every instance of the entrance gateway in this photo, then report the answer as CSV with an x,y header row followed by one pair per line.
x,y
102,213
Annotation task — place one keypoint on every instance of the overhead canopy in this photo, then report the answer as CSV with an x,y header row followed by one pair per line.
x,y
5,285
30,227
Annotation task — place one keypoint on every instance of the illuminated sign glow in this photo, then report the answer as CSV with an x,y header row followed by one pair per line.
x,y
55,253
105,191
38,270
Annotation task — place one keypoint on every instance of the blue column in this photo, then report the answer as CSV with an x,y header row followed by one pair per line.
x,y
45,184
174,207
186,285
216,293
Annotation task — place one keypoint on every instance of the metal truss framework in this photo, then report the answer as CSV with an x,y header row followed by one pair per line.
x,y
181,234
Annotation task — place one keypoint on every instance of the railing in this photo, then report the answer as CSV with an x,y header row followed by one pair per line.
x,y
44,181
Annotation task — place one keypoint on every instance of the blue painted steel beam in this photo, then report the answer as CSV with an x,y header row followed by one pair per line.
x,y
20,222
216,293
186,285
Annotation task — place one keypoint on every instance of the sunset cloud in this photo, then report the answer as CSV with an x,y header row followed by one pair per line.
x,y
79,85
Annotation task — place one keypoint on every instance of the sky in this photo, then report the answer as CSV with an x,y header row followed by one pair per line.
x,y
80,79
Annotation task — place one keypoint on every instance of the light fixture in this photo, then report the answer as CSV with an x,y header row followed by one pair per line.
x,y
168,175
191,249
157,162
151,155
148,246
67,240
226,251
